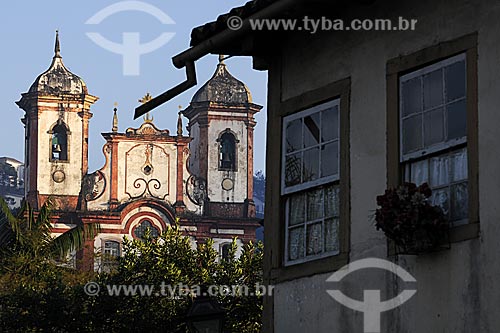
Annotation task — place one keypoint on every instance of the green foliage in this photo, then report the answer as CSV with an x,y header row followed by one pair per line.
x,y
46,297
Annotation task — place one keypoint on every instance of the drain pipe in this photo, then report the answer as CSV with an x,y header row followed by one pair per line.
x,y
187,58
169,94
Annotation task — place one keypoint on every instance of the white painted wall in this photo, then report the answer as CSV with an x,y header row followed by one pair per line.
x,y
215,191
73,168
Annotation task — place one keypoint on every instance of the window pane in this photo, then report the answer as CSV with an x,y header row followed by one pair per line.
x,y
433,89
330,124
311,130
459,201
330,159
140,230
112,248
441,198
457,120
459,165
439,172
433,127
314,204
296,209
420,172
292,169
293,135
412,96
314,239
332,235
332,201
455,81
412,133
310,165
296,243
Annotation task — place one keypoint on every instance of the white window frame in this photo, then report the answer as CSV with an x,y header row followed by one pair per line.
x,y
437,146
320,181
437,149
310,185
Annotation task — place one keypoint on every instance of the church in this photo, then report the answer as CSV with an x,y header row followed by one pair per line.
x,y
203,179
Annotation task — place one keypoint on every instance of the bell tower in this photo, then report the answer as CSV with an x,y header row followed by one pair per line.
x,y
221,123
56,120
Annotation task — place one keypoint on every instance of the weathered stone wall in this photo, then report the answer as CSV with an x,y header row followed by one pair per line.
x,y
457,289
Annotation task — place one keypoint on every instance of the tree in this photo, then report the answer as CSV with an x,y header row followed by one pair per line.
x,y
38,294
34,285
172,262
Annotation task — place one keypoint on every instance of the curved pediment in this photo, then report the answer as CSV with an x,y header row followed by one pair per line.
x,y
147,129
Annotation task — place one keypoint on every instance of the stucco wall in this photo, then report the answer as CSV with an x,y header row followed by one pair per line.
x,y
215,191
457,288
73,168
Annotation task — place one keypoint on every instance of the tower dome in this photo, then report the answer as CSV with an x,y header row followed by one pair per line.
x,y
58,79
223,88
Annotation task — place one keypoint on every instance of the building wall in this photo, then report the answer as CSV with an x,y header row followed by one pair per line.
x,y
215,177
457,289
132,160
194,147
48,116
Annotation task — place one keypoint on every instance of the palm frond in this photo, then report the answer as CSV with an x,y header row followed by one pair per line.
x,y
42,223
10,226
74,239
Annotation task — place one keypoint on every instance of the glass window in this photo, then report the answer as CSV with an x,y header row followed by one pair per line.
x,y
140,230
112,248
110,254
224,250
433,108
310,182
311,147
433,133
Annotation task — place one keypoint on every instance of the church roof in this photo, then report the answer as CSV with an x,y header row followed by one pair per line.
x,y
223,88
58,79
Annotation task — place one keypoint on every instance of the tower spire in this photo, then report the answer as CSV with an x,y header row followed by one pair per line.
x,y
115,119
179,122
57,47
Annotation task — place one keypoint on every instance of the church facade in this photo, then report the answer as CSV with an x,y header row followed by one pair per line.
x,y
152,178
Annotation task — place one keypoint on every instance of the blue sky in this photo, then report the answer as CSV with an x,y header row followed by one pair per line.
x,y
28,30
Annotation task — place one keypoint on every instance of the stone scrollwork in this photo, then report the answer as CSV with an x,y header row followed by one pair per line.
x,y
94,185
196,189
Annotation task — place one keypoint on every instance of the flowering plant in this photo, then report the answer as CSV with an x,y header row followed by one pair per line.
x,y
408,218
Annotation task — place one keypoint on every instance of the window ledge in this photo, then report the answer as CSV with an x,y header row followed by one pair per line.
x,y
309,268
464,232
457,234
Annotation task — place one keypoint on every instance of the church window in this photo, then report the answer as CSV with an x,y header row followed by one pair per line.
x,y
225,250
110,255
140,230
59,143
227,152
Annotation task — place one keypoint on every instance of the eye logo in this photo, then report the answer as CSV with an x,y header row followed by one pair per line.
x,y
371,306
131,48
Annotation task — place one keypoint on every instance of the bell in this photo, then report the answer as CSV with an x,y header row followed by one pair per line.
x,y
56,148
225,158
